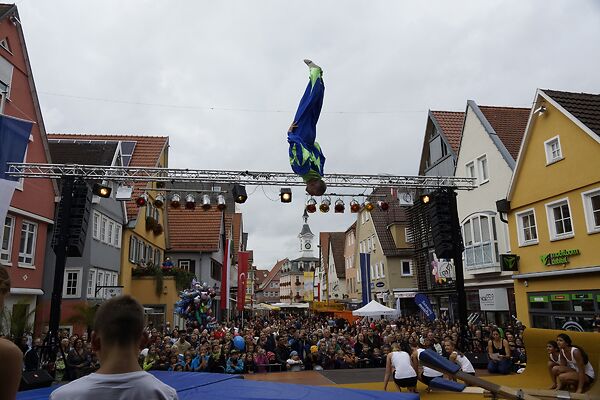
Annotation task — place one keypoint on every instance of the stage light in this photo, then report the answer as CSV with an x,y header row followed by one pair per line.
x,y
286,195
368,205
101,190
159,200
239,193
325,203
339,206
311,205
354,206
142,200
221,202
190,202
206,202
175,201
124,193
425,199
383,205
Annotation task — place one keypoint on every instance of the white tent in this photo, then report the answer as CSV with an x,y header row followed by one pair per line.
x,y
374,309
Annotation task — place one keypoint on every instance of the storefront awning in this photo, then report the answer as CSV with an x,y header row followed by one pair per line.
x,y
544,274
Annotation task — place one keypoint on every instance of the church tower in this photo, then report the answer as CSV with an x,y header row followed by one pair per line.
x,y
306,238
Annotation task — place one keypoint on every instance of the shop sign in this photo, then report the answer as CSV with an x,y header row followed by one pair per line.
x,y
558,258
582,296
538,299
380,284
493,299
509,262
560,297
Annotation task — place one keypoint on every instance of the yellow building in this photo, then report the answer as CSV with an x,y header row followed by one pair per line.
x,y
554,218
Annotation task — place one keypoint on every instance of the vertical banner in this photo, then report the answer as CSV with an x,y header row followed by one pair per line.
x,y
225,269
423,303
14,137
309,286
365,277
243,258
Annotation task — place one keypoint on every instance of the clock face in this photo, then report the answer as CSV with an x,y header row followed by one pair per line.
x,y
307,246
407,197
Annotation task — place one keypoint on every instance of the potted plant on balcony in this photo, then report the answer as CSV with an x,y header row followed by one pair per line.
x,y
150,223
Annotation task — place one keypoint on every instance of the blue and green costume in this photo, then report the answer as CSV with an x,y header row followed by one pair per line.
x,y
306,157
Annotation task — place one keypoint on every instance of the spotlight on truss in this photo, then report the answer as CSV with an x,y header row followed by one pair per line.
x,y
368,205
142,200
325,203
339,206
159,200
221,202
239,193
175,201
383,205
286,195
311,205
190,202
101,190
354,206
206,202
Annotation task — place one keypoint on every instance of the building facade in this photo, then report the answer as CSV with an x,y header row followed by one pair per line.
x,y
31,212
491,138
554,218
353,288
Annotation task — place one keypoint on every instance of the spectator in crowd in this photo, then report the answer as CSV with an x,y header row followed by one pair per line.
x,y
235,365
31,358
119,375
78,360
294,363
498,354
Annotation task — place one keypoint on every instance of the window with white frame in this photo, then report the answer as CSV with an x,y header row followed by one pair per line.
x,y
553,150
527,228
27,245
406,268
103,228
110,233
374,240
369,244
7,239
559,219
480,241
382,270
132,248
72,285
117,236
96,225
482,169
91,284
591,206
470,167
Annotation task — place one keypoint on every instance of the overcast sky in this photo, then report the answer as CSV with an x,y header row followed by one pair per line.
x,y
223,78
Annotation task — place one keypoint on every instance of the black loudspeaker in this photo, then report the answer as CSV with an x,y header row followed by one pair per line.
x,y
81,205
35,379
443,219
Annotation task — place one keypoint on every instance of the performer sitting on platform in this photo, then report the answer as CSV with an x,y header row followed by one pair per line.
x,y
120,376
306,157
575,367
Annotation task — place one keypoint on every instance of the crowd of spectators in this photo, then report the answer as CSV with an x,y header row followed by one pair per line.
x,y
282,342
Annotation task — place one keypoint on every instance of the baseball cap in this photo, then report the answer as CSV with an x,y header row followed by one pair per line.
x,y
293,353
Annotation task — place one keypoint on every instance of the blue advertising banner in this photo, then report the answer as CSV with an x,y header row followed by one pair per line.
x,y
423,303
365,277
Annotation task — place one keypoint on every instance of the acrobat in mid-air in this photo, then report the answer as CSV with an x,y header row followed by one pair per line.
x,y
306,157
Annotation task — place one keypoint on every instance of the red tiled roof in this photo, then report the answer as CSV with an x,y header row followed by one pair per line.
x,y
259,276
324,242
351,228
194,230
451,123
583,106
383,219
146,154
273,273
509,124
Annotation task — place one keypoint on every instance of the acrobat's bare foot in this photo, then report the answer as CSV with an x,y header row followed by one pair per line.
x,y
311,64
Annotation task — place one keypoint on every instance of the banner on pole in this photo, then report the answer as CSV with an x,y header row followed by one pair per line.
x,y
424,304
243,259
226,268
365,277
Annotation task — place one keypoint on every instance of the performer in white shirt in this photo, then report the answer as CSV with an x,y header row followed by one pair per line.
x,y
117,336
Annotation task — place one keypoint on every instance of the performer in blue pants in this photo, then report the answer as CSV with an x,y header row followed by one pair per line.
x,y
306,157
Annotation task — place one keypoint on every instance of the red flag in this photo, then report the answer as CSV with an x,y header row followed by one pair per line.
x,y
225,284
243,258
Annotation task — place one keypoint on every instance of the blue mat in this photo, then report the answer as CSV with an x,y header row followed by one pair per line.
x,y
196,386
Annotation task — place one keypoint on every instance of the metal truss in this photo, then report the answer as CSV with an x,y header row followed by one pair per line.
x,y
145,174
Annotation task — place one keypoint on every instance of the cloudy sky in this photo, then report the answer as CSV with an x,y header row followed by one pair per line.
x,y
223,78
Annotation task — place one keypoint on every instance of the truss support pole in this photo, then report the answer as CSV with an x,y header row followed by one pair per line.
x,y
52,340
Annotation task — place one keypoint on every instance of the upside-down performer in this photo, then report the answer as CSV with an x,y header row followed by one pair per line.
x,y
306,157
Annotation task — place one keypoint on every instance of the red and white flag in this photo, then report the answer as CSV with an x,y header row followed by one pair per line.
x,y
243,259
225,271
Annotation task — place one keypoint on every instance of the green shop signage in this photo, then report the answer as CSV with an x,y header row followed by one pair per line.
x,y
558,258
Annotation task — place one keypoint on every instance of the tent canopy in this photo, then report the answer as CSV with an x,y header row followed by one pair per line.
x,y
374,309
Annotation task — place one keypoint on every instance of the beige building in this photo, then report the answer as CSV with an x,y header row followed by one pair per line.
x,y
385,236
353,289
